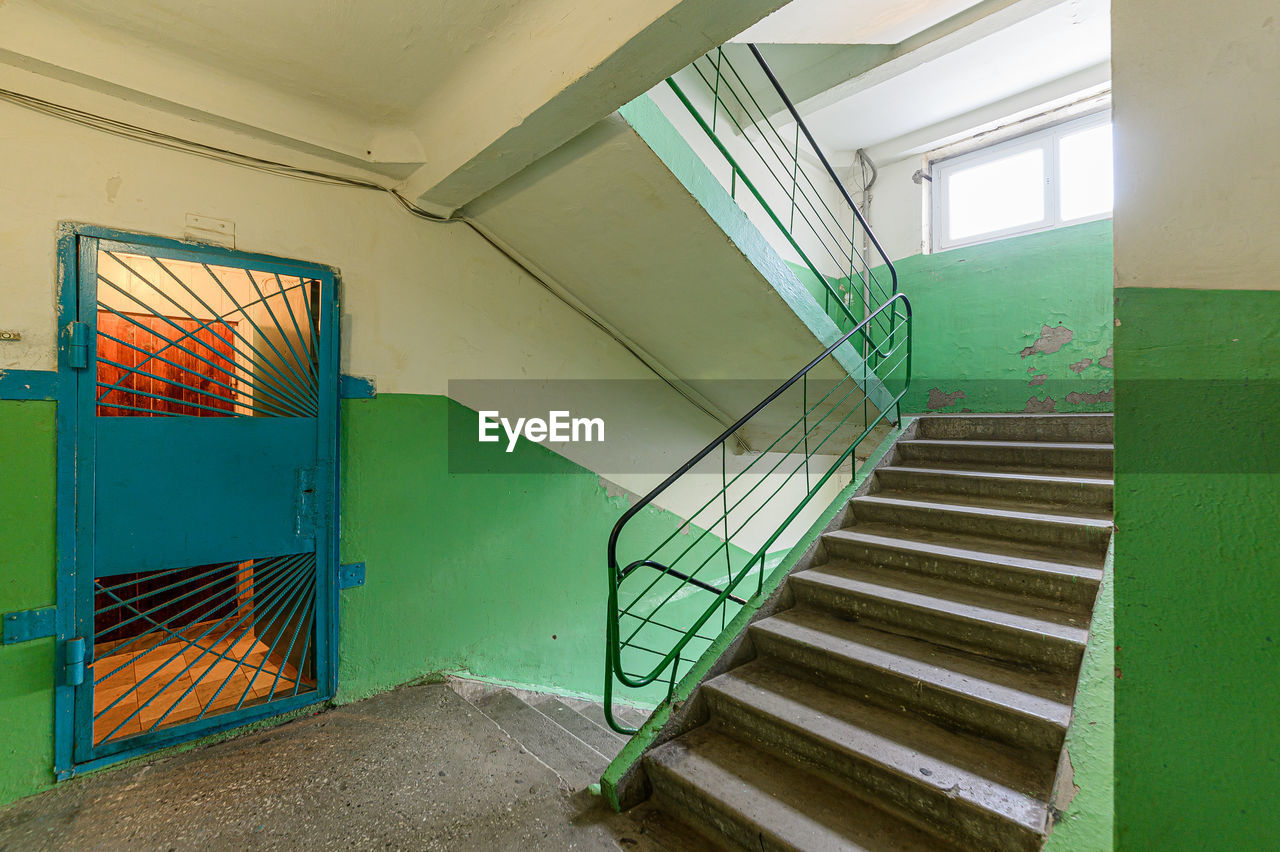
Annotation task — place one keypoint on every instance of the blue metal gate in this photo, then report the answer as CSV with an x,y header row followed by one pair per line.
x,y
205,492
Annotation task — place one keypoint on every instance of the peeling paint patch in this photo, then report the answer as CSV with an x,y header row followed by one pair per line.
x,y
1108,360
113,188
1064,786
1052,338
612,489
1040,406
938,399
1080,366
1037,380
1077,398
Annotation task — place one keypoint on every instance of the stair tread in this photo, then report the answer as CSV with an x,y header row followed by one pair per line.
x,y
602,740
1101,521
943,596
1016,415
573,760
1002,475
621,714
953,764
782,799
995,551
1030,692
1039,445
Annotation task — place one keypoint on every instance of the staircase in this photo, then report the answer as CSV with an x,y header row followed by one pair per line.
x,y
912,688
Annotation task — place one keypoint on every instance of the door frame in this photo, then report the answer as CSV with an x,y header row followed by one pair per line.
x,y
76,246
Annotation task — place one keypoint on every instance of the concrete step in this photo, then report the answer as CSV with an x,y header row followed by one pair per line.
x,y
1013,568
740,796
1095,428
958,786
1067,494
1068,458
948,614
628,716
1074,535
1020,707
601,739
577,763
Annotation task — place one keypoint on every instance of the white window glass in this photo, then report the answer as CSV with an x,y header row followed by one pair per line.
x,y
1084,165
996,195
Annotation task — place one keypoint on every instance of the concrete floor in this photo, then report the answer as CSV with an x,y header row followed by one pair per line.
x,y
418,768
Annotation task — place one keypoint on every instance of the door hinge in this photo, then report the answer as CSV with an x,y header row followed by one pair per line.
x,y
351,575
29,624
78,346
75,661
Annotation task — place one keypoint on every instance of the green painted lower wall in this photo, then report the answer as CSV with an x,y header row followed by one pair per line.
x,y
1197,569
27,580
999,326
502,575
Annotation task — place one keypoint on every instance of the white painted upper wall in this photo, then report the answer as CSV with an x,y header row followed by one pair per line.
x,y
1197,119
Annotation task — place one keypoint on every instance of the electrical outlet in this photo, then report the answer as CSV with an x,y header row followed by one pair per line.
x,y
9,336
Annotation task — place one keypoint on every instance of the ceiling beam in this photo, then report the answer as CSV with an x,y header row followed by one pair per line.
x,y
849,73
509,107
1052,95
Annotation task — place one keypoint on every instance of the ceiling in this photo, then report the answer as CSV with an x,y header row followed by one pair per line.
x,y
450,97
376,61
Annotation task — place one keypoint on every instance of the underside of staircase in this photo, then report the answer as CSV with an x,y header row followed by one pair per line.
x,y
910,686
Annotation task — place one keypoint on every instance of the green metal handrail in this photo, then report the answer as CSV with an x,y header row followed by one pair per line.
x,y
650,611
769,163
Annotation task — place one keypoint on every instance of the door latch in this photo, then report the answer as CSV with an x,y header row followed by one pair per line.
x,y
305,505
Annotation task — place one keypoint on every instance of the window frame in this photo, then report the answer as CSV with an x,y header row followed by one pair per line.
x,y
1045,139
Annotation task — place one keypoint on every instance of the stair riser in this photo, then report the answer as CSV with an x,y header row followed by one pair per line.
x,y
1095,430
1069,495
1076,593
893,690
1016,646
883,786
1071,538
1063,460
708,816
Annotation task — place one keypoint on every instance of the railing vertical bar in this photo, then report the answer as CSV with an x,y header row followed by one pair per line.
x,y
715,93
806,430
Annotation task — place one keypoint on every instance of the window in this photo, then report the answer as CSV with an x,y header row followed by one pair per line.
x,y
1054,177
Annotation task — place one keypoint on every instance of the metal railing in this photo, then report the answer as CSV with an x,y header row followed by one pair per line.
x,y
791,179
663,596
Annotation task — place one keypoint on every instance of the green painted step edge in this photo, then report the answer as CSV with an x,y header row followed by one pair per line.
x,y
639,743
